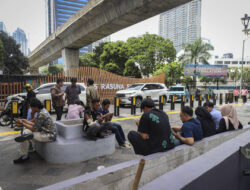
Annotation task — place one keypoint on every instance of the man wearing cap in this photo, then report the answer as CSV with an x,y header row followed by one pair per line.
x,y
154,132
91,93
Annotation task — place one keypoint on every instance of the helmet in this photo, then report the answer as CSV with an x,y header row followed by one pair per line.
x,y
28,87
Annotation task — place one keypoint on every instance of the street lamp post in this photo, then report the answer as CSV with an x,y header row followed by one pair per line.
x,y
245,21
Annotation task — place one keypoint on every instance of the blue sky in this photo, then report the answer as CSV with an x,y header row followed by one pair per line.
x,y
220,23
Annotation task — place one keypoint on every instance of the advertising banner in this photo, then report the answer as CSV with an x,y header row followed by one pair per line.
x,y
206,70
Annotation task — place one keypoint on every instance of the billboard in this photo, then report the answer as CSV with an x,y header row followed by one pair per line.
x,y
206,70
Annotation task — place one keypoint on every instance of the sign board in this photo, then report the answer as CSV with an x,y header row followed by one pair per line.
x,y
206,70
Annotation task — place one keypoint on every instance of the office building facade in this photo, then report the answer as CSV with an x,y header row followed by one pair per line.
x,y
21,39
2,27
182,24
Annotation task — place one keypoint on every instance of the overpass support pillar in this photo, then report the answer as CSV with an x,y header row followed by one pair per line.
x,y
70,58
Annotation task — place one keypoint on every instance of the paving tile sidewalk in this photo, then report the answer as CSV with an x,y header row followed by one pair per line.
x,y
38,173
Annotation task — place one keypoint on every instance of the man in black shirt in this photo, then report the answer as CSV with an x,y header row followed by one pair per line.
x,y
30,95
154,132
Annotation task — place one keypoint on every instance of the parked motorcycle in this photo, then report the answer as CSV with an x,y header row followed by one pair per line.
x,y
5,116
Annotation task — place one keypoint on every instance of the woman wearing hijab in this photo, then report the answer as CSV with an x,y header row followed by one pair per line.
x,y
206,120
230,120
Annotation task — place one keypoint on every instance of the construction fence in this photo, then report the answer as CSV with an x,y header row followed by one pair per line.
x,y
107,83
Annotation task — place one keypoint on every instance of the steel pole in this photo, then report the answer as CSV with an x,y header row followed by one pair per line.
x,y
241,78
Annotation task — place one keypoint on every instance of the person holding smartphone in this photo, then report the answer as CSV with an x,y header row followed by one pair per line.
x,y
115,127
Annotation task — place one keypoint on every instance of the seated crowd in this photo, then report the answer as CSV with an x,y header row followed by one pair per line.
x,y
154,133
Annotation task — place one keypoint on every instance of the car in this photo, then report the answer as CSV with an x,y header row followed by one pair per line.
x,y
141,91
43,92
178,91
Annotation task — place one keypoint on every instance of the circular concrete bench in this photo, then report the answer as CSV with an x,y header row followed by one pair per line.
x,y
72,146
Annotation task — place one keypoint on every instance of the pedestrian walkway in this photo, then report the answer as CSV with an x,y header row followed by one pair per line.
x,y
38,173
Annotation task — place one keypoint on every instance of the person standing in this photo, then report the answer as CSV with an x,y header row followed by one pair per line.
x,y
30,95
57,98
72,92
91,93
244,93
236,93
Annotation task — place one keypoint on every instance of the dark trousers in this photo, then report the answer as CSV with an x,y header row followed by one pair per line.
x,y
59,112
244,99
140,146
119,134
236,98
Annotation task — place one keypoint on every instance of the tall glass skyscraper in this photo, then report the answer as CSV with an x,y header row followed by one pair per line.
x,y
59,11
181,24
2,27
20,37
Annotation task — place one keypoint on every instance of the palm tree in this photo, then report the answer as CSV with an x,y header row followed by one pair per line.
x,y
195,53
234,74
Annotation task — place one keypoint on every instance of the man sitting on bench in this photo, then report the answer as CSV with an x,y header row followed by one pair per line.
x,y
95,124
42,130
154,132
191,129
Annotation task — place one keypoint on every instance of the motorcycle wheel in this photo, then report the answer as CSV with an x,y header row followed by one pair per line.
x,y
5,119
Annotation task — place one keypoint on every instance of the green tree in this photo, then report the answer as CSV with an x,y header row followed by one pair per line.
x,y
151,50
196,53
218,80
206,80
98,50
13,60
173,72
113,68
55,69
88,59
246,75
131,69
234,74
51,69
116,53
1,54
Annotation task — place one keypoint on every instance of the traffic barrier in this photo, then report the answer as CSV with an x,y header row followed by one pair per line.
x,y
191,101
14,111
172,106
226,98
200,100
161,101
231,98
148,97
214,99
47,104
133,106
221,99
183,100
117,106
207,97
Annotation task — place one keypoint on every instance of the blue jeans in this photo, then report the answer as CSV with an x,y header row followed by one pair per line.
x,y
119,134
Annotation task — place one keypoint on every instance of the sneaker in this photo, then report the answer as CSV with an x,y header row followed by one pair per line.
x,y
24,137
21,160
125,146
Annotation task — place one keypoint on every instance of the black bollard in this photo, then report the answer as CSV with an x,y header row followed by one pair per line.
x,y
221,99
183,100
191,101
133,106
148,97
214,99
231,98
172,106
200,100
226,98
161,99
